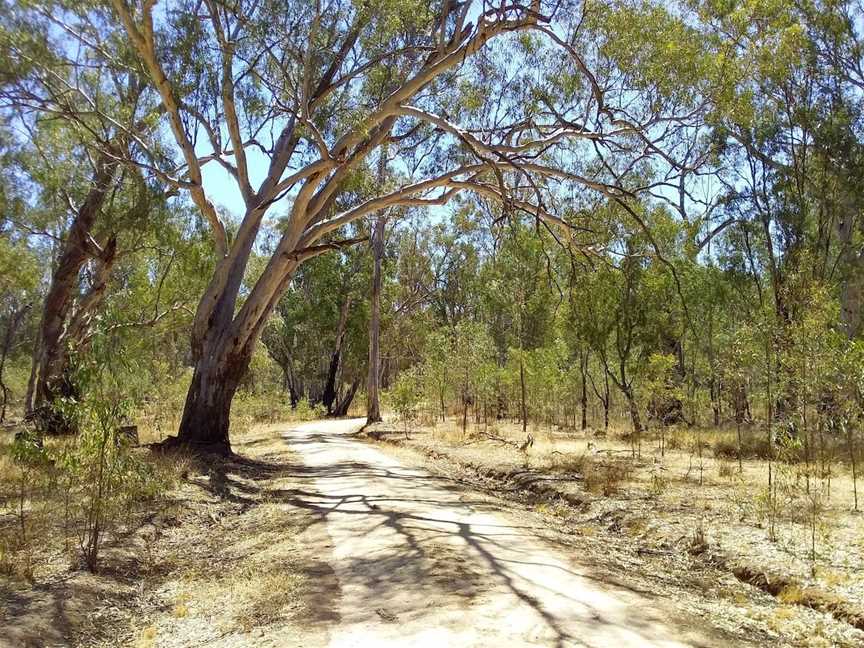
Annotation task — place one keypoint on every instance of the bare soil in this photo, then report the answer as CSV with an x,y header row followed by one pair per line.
x,y
650,523
423,560
311,537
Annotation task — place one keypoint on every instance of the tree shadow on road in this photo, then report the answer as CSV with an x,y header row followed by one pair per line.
x,y
438,558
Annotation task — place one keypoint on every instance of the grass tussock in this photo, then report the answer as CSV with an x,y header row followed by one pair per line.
x,y
752,447
265,594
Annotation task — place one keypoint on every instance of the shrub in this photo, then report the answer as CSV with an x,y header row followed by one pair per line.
x,y
406,395
753,446
604,477
676,441
306,411
568,462
659,482
27,475
100,476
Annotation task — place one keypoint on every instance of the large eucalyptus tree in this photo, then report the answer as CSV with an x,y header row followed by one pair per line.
x,y
295,101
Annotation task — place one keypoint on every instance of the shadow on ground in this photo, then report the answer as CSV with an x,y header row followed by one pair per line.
x,y
436,555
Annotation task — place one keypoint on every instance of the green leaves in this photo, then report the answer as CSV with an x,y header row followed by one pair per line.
x,y
653,47
406,394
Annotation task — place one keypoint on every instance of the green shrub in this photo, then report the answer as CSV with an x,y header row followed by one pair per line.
x,y
101,477
306,411
406,395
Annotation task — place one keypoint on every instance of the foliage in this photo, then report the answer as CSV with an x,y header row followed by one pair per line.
x,y
405,396
689,257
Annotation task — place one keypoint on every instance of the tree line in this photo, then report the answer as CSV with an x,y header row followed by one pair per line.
x,y
553,212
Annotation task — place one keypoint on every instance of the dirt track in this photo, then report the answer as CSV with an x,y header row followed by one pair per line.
x,y
422,562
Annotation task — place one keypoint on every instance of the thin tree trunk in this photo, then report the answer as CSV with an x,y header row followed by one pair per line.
x,y
635,418
464,413
295,392
373,405
522,389
583,365
330,388
31,381
11,328
853,460
606,399
852,281
715,399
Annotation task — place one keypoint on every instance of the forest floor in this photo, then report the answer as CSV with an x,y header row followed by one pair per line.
x,y
312,537
691,530
223,562
425,561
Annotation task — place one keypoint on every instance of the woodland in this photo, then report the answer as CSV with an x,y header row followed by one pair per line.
x,y
621,241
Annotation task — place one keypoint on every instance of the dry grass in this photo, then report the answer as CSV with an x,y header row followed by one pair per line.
x,y
726,469
605,476
791,594
259,583
264,594
160,419
37,526
648,509
147,638
197,556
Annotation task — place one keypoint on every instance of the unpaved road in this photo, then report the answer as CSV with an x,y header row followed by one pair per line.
x,y
423,562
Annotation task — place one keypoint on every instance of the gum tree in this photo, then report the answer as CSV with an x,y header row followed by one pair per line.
x,y
78,121
295,101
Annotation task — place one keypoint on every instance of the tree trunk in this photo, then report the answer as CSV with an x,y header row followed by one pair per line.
x,y
330,394
373,406
464,411
607,399
52,378
223,350
852,299
343,403
635,418
206,414
31,380
522,389
852,281
583,366
15,320
715,399
295,391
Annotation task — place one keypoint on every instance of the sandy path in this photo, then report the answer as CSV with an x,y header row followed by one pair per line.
x,y
423,562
